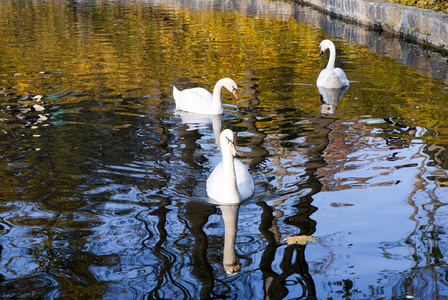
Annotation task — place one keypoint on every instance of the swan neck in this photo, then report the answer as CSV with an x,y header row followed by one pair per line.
x,y
229,175
332,58
216,100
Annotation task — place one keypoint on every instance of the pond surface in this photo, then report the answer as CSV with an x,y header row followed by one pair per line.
x,y
103,182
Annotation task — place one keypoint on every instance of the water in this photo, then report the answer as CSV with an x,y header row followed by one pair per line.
x,y
103,182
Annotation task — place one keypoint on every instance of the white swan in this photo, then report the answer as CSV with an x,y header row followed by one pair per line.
x,y
229,182
199,100
331,77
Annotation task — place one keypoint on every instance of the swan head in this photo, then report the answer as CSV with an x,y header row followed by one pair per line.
x,y
324,46
228,140
231,86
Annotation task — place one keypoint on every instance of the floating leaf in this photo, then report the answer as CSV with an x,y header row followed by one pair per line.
x,y
299,239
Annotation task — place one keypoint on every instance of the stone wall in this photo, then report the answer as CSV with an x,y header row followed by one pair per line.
x,y
421,25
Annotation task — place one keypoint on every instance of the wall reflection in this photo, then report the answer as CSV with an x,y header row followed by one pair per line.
x,y
427,60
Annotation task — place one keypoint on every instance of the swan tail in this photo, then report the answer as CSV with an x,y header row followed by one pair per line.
x,y
176,93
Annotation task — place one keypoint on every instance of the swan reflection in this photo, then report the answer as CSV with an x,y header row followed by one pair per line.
x,y
230,218
198,121
330,98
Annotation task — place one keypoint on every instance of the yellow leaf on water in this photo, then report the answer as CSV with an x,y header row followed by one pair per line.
x,y
299,239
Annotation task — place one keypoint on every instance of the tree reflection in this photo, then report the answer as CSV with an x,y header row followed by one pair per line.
x,y
293,260
197,214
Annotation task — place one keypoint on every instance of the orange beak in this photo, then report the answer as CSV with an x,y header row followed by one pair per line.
x,y
235,94
320,52
232,145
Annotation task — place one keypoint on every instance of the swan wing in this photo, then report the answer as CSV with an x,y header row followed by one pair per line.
x,y
244,181
196,100
323,77
201,92
214,185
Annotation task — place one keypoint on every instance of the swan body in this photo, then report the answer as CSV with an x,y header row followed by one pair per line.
x,y
331,77
230,181
199,100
